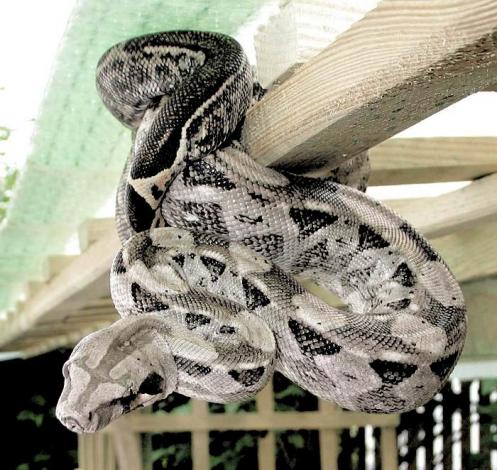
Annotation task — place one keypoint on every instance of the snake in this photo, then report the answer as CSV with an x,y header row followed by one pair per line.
x,y
208,282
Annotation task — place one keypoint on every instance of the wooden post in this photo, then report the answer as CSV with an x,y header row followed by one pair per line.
x,y
266,452
95,452
328,439
110,456
127,447
389,453
200,438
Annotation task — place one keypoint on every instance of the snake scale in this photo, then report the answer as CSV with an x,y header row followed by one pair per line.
x,y
205,283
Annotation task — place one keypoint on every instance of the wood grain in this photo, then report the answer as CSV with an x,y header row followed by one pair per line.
x,y
402,62
432,160
471,253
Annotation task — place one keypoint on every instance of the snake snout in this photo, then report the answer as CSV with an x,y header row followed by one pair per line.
x,y
77,422
72,424
75,418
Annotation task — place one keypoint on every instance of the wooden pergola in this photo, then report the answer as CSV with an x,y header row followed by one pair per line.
x,y
402,62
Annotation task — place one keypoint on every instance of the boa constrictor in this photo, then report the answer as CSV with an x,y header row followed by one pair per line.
x,y
204,281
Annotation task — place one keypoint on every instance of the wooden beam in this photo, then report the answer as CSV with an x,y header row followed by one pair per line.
x,y
33,344
91,268
252,421
432,160
470,253
441,215
80,309
402,62
127,447
59,329
57,263
85,315
200,437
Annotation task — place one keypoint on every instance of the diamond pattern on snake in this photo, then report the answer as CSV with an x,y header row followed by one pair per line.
x,y
212,240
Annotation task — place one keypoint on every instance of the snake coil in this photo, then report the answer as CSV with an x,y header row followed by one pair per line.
x,y
211,241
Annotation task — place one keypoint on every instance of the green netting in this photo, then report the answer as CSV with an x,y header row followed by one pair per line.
x,y
79,149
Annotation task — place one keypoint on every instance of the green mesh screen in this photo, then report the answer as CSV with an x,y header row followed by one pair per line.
x,y
79,149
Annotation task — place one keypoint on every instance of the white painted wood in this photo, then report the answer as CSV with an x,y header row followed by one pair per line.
x,y
300,30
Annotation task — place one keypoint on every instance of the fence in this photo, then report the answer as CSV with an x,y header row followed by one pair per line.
x,y
121,444
455,430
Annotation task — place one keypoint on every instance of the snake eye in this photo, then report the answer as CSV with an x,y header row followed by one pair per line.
x,y
124,345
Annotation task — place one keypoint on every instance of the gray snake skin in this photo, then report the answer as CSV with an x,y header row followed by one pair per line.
x,y
205,283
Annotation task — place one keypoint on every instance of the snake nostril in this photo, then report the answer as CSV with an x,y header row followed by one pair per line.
x,y
72,424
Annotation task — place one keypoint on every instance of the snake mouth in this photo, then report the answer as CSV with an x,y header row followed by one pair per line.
x,y
73,425
79,424
116,408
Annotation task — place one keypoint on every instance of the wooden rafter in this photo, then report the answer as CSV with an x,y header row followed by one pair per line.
x,y
471,253
369,85
432,160
75,279
442,215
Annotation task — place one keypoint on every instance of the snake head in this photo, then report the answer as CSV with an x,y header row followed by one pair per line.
x,y
114,371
